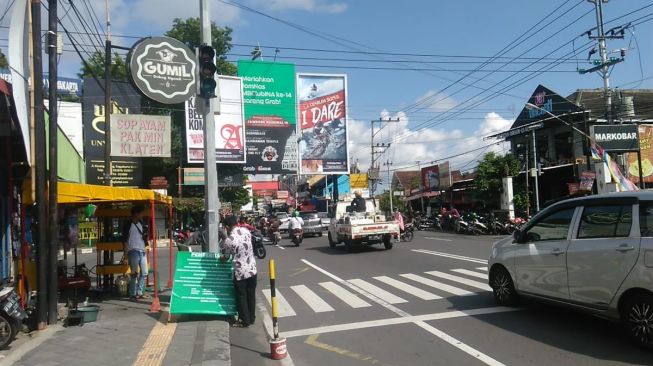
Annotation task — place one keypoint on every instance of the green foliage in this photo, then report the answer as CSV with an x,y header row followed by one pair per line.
x,y
95,67
3,60
384,203
490,170
414,183
188,31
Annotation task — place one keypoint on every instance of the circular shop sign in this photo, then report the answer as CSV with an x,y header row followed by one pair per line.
x,y
163,69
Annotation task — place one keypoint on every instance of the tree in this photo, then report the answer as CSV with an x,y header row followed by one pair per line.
x,y
384,203
188,31
489,173
94,67
3,60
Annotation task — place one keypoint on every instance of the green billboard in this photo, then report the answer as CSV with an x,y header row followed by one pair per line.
x,y
270,116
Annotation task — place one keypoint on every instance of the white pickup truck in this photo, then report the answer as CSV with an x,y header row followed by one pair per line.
x,y
359,228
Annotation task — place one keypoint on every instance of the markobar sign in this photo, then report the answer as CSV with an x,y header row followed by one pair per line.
x,y
616,137
163,69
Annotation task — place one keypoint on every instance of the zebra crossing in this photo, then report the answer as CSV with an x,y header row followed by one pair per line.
x,y
428,286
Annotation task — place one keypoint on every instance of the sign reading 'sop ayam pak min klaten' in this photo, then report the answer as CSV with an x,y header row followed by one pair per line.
x,y
203,285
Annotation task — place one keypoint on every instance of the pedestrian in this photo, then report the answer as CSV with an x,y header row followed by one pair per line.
x,y
134,241
239,245
399,218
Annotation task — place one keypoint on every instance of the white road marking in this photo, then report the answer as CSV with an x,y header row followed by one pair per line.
x,y
458,344
395,321
312,299
280,247
452,256
344,295
377,291
435,238
405,315
482,268
464,281
285,309
439,285
482,276
424,295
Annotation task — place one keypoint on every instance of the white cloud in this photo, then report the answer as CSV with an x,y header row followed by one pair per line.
x,y
316,6
426,145
436,102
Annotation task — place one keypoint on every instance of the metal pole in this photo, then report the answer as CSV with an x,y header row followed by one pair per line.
x,y
528,178
273,299
40,162
598,4
170,227
421,184
388,163
156,304
53,169
536,167
107,102
211,199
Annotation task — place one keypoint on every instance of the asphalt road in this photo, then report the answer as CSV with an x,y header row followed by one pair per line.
x,y
424,303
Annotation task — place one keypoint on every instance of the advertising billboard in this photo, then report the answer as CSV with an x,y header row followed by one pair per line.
x,y
140,135
431,178
645,134
445,175
270,117
126,171
358,181
322,120
229,125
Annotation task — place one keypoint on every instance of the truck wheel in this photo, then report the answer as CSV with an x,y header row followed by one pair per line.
x,y
387,241
349,245
332,243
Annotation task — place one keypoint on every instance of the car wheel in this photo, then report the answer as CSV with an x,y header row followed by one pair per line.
x,y
332,243
503,287
638,317
387,242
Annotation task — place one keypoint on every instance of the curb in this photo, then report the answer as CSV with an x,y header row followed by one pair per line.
x,y
29,345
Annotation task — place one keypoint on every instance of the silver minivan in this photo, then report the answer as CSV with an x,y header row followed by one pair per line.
x,y
592,253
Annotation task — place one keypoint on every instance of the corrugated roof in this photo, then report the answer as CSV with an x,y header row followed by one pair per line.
x,y
405,177
594,101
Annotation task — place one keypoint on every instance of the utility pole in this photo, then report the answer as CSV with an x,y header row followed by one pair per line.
x,y
536,167
387,164
528,199
53,223
377,150
42,250
421,184
211,199
107,101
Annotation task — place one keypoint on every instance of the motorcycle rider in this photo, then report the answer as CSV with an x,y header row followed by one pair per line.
x,y
295,223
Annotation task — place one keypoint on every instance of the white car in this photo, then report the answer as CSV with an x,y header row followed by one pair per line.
x,y
594,254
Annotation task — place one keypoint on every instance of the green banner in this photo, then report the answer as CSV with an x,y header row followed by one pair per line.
x,y
269,91
203,285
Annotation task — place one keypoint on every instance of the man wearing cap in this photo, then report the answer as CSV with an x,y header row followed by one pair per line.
x,y
358,203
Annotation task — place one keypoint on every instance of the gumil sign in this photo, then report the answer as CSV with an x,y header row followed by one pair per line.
x,y
163,69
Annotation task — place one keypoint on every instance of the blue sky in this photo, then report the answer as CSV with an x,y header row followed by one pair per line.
x,y
463,27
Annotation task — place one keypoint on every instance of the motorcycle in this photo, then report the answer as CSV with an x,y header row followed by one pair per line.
x,y
408,233
477,226
461,225
11,315
257,244
297,236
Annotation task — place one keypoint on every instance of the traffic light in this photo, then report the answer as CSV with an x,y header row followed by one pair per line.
x,y
206,72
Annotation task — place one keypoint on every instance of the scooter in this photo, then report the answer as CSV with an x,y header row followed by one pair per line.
x,y
11,315
408,233
257,244
297,236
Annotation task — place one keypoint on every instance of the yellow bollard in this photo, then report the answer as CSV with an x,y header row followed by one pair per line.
x,y
278,348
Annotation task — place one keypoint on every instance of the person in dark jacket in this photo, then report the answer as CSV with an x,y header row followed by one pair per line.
x,y
358,203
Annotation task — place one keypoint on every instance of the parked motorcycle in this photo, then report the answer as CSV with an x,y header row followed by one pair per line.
x,y
408,233
297,236
461,226
257,244
11,315
477,225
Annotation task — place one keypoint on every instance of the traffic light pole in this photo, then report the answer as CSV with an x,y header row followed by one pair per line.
x,y
211,200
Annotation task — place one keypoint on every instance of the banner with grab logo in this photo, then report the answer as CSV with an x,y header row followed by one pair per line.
x,y
322,120
229,125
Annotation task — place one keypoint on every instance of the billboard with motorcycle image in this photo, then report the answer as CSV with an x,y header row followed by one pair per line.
x,y
322,117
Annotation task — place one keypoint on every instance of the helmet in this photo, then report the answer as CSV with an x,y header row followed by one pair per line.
x,y
295,214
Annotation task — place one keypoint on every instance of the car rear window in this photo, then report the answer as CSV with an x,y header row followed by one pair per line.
x,y
609,221
646,218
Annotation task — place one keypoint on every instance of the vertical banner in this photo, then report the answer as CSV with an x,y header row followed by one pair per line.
x,y
645,140
431,178
127,171
445,175
270,117
229,125
323,123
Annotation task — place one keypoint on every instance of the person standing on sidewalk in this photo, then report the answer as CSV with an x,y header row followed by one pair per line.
x,y
239,244
134,239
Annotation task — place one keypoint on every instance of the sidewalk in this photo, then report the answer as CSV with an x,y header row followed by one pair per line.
x,y
126,333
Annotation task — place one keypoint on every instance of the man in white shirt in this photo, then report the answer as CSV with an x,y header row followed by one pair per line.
x,y
134,243
296,222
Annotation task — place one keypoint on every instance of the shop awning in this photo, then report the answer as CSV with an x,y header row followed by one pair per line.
x,y
89,193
